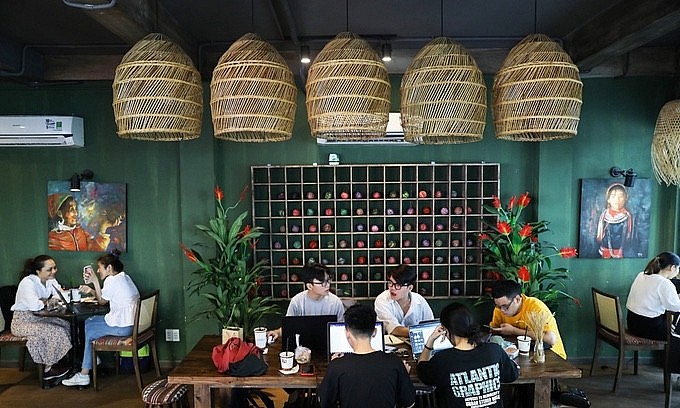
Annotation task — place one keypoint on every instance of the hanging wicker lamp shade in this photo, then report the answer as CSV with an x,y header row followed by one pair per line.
x,y
443,96
252,93
348,91
157,92
537,92
666,144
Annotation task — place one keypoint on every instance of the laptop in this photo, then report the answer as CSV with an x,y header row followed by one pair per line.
x,y
418,335
337,342
312,331
65,302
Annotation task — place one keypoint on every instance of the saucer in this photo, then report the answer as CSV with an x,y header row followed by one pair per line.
x,y
293,370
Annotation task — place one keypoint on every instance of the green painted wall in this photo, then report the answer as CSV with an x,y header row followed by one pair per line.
x,y
170,188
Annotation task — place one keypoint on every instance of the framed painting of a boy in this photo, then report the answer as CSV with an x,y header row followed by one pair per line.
x,y
614,220
92,219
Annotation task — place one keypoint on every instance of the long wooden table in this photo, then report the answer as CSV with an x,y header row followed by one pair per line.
x,y
198,370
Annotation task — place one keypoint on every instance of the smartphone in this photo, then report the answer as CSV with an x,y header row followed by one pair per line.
x,y
489,329
87,273
308,370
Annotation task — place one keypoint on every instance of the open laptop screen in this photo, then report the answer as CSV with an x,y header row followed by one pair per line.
x,y
337,342
418,335
312,331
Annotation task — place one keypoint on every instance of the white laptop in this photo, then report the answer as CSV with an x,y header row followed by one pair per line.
x,y
337,342
418,335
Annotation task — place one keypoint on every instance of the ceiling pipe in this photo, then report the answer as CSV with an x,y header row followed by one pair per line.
x,y
90,6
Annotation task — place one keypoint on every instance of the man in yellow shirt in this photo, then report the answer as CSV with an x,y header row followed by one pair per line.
x,y
512,311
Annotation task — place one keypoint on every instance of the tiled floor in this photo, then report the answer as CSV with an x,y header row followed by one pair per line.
x,y
21,389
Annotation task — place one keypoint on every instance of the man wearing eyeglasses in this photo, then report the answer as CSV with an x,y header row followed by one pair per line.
x,y
316,299
512,312
398,306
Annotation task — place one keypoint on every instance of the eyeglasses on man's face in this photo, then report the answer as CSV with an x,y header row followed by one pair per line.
x,y
396,286
505,307
325,283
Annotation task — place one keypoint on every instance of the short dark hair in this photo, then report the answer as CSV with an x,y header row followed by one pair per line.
x,y
402,275
458,321
360,320
314,271
506,288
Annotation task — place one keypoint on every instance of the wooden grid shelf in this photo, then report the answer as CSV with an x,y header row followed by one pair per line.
x,y
361,220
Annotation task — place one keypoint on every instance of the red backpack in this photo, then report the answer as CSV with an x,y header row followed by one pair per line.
x,y
238,358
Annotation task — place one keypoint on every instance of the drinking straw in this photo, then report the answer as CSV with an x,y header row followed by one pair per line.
x,y
287,340
526,328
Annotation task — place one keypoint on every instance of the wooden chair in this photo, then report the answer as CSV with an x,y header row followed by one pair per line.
x,y
7,339
671,361
609,328
143,332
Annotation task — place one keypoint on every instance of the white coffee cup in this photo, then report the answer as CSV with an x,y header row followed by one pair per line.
x,y
524,344
286,358
75,295
260,337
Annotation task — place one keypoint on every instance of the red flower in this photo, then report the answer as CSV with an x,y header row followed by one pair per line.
x,y
511,203
219,194
484,236
525,231
523,274
243,193
568,252
253,244
524,200
504,228
188,253
534,238
245,231
496,201
576,301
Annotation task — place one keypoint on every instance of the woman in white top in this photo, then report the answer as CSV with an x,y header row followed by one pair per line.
x,y
49,338
121,294
651,294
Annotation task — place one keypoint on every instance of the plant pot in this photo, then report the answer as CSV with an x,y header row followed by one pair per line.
x,y
231,331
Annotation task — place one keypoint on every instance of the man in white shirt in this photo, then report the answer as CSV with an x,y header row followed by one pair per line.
x,y
399,307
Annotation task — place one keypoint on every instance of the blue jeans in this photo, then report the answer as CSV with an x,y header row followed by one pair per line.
x,y
96,327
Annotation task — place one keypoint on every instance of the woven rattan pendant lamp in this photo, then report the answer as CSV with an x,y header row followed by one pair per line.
x,y
443,96
252,93
666,144
537,92
348,91
157,92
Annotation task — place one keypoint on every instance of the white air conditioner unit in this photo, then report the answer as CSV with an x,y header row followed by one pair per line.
x,y
394,135
25,131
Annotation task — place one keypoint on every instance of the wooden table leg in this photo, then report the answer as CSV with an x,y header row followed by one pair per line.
x,y
542,393
202,396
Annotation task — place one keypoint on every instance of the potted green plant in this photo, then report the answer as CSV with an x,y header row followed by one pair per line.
x,y
513,251
229,281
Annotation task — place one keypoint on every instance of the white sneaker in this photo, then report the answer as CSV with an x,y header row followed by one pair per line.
x,y
77,379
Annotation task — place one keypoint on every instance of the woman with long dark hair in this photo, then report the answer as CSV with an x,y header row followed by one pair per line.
x,y
49,338
469,374
651,294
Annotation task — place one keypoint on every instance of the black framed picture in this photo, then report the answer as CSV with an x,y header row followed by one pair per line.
x,y
614,219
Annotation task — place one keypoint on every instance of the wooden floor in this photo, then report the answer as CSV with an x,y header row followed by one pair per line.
x,y
21,389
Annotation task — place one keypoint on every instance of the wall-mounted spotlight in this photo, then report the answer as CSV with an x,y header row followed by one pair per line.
x,y
628,175
386,52
304,54
87,174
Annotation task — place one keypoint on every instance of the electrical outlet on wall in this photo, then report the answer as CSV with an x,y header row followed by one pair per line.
x,y
171,334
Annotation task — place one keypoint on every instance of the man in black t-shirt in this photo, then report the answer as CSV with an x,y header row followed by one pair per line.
x,y
365,378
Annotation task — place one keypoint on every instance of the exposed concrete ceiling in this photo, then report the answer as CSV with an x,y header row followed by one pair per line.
x,y
50,40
